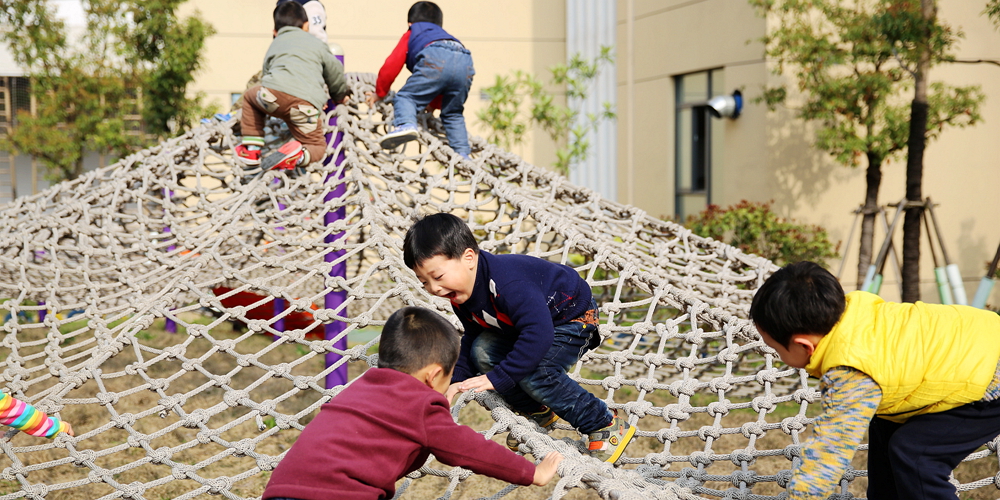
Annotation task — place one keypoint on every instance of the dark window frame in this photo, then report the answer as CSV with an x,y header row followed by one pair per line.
x,y
700,147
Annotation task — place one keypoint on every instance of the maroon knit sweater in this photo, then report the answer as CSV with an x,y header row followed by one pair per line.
x,y
378,430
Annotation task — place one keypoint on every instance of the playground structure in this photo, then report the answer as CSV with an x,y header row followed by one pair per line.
x,y
950,287
295,320
210,411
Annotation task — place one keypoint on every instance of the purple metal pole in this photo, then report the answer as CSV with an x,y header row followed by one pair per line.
x,y
335,299
171,325
38,255
278,304
279,307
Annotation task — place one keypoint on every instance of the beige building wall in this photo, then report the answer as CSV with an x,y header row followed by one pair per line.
x,y
670,38
763,156
502,36
769,156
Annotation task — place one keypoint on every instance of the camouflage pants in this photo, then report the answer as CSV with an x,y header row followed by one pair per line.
x,y
303,119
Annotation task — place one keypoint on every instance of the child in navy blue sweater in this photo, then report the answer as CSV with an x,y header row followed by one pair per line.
x,y
527,321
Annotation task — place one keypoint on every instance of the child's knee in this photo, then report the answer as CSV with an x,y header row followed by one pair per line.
x,y
485,353
481,358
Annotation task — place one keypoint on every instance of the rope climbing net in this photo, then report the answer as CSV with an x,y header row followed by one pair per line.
x,y
92,271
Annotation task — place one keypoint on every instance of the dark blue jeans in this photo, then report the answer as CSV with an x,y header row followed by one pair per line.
x,y
549,384
912,461
443,68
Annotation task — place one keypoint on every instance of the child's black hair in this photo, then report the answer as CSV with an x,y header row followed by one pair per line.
x,y
798,298
425,12
289,13
437,234
414,337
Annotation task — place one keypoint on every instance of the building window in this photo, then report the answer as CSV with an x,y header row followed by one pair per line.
x,y
695,149
15,96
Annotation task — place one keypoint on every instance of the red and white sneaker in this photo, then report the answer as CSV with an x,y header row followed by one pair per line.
x,y
286,158
248,156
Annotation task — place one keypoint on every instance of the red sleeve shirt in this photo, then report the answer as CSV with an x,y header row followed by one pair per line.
x,y
391,68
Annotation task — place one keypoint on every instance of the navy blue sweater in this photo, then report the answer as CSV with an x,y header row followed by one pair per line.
x,y
524,297
421,35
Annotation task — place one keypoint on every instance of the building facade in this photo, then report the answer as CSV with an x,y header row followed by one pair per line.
x,y
673,158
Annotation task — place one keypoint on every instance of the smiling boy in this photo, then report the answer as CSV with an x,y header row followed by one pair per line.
x,y
526,320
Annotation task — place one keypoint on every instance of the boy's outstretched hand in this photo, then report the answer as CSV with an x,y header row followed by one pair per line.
x,y
476,384
371,98
453,389
547,468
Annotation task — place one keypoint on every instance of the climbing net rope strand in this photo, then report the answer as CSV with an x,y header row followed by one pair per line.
x,y
92,270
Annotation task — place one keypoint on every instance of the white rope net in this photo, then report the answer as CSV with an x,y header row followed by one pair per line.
x,y
91,269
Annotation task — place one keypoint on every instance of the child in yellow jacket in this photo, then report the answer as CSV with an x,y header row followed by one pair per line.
x,y
922,379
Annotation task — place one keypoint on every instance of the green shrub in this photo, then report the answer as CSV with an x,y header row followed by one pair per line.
x,y
755,228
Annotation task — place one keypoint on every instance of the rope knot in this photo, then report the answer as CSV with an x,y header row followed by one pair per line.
x,y
742,457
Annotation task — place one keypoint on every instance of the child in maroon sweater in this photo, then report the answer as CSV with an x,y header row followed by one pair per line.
x,y
386,423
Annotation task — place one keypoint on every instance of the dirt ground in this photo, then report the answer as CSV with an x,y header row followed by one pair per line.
x,y
214,462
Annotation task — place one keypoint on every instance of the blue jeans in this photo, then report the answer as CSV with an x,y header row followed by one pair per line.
x,y
549,384
443,68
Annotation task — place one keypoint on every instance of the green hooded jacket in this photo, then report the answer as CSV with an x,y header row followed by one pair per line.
x,y
298,64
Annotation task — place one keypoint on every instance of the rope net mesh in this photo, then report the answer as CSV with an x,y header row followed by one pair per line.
x,y
93,268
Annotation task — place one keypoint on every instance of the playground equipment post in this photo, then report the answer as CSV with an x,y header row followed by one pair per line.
x,y
335,299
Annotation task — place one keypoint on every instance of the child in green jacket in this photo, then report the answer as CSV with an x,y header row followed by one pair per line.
x,y
296,68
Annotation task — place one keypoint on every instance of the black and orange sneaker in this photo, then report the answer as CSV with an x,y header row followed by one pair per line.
x,y
545,419
286,158
607,444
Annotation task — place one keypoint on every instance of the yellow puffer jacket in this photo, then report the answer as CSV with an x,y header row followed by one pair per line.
x,y
926,358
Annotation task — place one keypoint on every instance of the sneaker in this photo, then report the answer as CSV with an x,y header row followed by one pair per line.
x,y
607,444
249,156
402,135
286,158
545,419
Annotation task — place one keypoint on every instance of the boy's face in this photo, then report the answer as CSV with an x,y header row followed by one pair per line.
x,y
798,352
449,278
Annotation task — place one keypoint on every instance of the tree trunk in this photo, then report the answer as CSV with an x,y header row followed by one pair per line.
x,y
77,167
873,178
914,194
915,164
